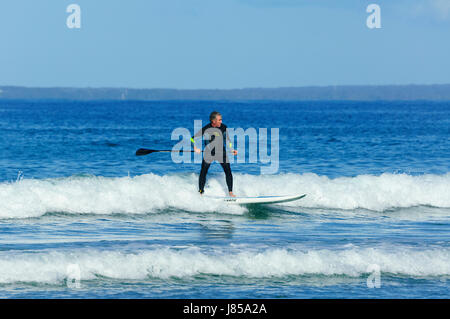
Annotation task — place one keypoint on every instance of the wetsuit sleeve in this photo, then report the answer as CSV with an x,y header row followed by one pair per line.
x,y
227,137
199,133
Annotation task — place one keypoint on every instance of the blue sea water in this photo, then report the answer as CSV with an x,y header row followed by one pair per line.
x,y
82,217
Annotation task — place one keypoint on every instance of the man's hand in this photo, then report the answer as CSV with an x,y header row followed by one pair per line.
x,y
197,150
234,152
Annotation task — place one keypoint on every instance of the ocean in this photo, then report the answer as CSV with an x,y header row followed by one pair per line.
x,y
82,217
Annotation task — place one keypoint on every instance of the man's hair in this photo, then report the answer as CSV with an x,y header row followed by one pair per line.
x,y
213,115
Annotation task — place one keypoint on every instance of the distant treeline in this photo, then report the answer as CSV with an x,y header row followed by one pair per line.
x,y
345,92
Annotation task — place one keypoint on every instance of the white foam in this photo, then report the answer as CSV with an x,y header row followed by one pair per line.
x,y
101,195
371,192
52,267
150,193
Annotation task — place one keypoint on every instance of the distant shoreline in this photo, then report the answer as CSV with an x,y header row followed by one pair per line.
x,y
436,92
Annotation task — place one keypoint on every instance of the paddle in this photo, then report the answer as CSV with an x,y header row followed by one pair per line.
x,y
144,151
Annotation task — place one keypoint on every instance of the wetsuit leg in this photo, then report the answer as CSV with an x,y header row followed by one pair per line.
x,y
227,170
202,177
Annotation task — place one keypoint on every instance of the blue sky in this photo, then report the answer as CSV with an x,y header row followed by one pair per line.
x,y
192,44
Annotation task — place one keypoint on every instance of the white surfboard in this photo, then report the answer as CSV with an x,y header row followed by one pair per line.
x,y
262,199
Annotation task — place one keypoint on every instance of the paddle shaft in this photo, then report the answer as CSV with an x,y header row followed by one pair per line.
x,y
170,151
144,151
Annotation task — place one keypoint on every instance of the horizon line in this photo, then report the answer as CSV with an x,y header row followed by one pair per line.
x,y
224,89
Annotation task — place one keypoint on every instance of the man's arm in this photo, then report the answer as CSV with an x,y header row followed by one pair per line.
x,y
229,141
199,134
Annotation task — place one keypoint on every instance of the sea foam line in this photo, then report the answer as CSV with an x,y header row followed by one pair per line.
x,y
53,266
150,193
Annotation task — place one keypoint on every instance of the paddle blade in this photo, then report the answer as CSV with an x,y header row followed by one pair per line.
x,y
144,151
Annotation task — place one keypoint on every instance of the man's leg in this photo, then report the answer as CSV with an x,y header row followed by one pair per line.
x,y
228,176
202,177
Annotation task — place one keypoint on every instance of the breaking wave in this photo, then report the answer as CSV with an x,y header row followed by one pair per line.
x,y
164,262
152,193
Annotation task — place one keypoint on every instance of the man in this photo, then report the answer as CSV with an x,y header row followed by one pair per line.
x,y
215,133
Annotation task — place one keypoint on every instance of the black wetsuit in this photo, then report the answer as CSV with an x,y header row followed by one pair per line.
x,y
210,134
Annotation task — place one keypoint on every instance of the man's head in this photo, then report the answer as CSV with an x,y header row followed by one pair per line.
x,y
215,119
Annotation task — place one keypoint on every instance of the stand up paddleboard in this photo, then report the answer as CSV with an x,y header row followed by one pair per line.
x,y
262,199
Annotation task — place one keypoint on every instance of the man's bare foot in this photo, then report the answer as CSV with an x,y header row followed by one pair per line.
x,y
232,195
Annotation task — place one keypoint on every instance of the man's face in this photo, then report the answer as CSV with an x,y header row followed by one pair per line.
x,y
217,122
